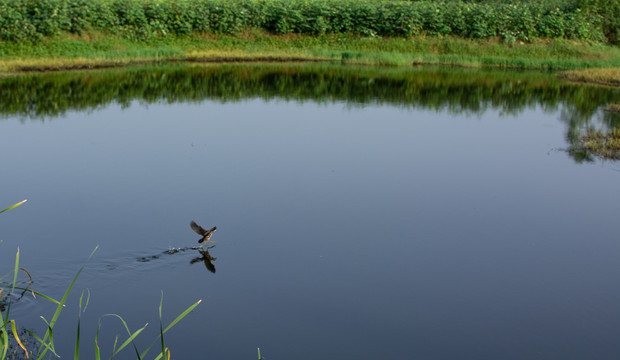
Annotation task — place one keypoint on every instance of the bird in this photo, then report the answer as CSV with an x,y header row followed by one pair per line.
x,y
206,234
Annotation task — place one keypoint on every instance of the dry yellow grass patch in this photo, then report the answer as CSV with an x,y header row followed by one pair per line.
x,y
13,67
17,66
603,76
614,108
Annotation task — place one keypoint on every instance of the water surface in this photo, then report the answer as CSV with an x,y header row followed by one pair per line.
x,y
362,212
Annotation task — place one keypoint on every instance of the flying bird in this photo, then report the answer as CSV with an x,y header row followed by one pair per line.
x,y
206,234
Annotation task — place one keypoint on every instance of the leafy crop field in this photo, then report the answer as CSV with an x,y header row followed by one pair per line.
x,y
522,20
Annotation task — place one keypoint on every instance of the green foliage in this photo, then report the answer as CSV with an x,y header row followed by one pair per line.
x,y
607,15
33,20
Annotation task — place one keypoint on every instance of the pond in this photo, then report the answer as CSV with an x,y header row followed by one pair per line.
x,y
361,213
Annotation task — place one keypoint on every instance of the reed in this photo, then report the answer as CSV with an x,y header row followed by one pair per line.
x,y
46,344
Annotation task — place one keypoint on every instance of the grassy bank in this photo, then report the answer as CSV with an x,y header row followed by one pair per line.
x,y
514,20
39,35
95,49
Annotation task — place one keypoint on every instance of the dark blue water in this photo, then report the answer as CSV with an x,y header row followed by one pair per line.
x,y
345,230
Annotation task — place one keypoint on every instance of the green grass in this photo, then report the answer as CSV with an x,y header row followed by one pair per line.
x,y
95,50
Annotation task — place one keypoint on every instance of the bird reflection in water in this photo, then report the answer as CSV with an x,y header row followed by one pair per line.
x,y
206,258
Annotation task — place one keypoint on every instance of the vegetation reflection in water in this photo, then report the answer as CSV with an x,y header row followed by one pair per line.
x,y
455,90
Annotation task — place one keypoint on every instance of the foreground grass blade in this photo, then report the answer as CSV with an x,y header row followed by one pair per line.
x,y
114,346
19,342
66,295
131,335
4,338
129,340
49,332
62,302
76,355
44,344
30,277
183,314
162,356
41,295
14,206
97,353
161,325
16,270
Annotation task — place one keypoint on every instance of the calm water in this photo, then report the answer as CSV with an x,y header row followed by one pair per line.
x,y
361,213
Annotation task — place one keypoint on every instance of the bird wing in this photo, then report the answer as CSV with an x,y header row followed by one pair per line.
x,y
197,228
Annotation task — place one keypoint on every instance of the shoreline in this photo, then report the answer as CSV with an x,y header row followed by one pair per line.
x,y
577,62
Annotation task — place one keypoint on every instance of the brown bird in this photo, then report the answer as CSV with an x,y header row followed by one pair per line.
x,y
206,234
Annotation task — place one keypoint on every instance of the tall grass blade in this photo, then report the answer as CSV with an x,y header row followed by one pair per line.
x,y
43,296
36,293
114,347
16,270
183,314
51,339
14,206
165,355
19,342
61,304
66,295
4,322
170,326
161,325
30,277
76,355
129,340
128,333
132,336
97,352
46,345
4,338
